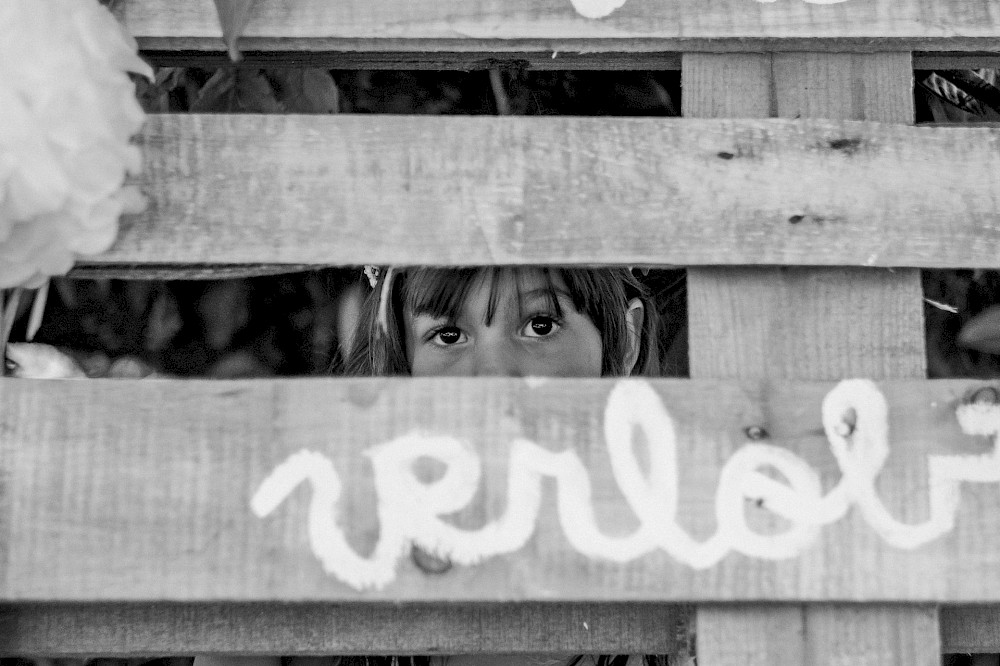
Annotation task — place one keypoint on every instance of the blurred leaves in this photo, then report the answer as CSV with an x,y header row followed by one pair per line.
x,y
251,327
982,332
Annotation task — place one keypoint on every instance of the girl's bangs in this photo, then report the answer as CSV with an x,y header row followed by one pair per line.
x,y
441,292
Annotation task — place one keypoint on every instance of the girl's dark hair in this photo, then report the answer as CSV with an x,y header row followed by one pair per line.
x,y
602,294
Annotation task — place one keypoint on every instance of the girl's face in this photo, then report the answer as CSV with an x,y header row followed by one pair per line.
x,y
526,336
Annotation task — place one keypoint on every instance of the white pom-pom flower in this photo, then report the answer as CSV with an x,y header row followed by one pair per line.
x,y
67,113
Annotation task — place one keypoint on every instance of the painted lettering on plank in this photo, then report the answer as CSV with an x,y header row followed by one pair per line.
x,y
855,420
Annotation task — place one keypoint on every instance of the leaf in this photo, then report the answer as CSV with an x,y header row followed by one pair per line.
x,y
254,93
982,332
233,17
216,95
225,310
164,322
310,90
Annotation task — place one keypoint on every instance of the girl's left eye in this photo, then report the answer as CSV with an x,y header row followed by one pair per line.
x,y
447,336
540,326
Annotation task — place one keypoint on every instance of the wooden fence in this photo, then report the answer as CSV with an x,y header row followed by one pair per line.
x,y
162,516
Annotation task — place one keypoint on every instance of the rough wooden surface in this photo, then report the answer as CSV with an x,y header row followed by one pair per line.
x,y
807,323
526,59
970,629
141,490
323,629
403,190
496,25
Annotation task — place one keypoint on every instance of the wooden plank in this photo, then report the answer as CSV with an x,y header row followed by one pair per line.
x,y
931,60
143,490
763,323
862,87
428,60
970,629
574,25
756,315
722,86
468,61
750,634
536,60
870,635
229,189
135,629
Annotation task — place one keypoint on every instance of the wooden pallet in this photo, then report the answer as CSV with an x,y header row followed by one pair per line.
x,y
795,188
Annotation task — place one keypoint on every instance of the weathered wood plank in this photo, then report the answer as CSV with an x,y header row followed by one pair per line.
x,y
573,25
481,190
537,60
860,87
445,60
750,635
970,629
135,629
759,314
755,323
143,490
722,86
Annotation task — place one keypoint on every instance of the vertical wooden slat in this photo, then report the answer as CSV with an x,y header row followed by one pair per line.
x,y
750,635
807,323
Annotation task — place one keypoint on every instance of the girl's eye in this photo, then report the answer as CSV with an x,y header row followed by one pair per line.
x,y
540,326
447,336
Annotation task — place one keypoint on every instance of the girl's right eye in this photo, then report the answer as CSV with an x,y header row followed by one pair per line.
x,y
447,336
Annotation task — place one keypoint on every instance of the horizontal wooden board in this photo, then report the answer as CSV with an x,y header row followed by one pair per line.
x,y
970,629
188,491
573,25
144,629
138,629
443,60
231,189
523,59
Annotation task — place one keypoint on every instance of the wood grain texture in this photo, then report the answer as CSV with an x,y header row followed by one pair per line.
x,y
487,190
524,59
136,629
805,323
140,490
873,635
451,60
863,87
750,635
721,301
770,322
496,25
970,629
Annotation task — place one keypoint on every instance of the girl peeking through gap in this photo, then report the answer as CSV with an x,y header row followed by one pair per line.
x,y
500,321
505,321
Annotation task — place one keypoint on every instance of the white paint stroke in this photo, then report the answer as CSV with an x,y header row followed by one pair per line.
x,y
855,419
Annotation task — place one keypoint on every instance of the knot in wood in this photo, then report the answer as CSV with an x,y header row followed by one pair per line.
x,y
429,563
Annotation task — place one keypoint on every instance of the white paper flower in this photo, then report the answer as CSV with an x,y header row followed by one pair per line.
x,y
67,113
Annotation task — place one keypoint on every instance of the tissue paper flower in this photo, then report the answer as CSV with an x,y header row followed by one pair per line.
x,y
67,113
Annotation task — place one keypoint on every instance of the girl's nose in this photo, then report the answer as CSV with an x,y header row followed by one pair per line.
x,y
496,359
